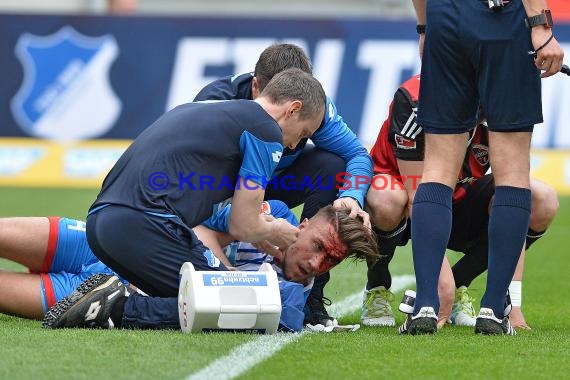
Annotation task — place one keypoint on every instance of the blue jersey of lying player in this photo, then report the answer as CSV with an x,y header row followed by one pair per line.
x,y
244,256
333,135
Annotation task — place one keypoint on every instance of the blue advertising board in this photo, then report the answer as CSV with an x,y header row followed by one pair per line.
x,y
107,77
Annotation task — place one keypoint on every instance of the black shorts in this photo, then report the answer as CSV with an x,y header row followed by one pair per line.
x,y
470,217
145,249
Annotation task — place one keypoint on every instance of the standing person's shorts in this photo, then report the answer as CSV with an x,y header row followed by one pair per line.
x,y
147,249
68,261
473,54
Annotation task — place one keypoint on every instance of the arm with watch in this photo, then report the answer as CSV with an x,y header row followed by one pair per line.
x,y
548,53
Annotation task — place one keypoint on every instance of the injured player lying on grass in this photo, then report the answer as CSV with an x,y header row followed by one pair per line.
x,y
323,242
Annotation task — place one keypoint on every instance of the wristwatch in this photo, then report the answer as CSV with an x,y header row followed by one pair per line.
x,y
544,18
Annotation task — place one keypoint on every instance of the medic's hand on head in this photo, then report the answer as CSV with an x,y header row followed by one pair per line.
x,y
355,210
283,233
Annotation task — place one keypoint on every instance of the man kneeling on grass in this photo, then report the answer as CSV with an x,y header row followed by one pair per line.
x,y
323,242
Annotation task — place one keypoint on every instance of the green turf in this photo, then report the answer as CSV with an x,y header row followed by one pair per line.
x,y
29,352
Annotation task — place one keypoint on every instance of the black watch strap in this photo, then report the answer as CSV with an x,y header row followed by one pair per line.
x,y
545,18
421,29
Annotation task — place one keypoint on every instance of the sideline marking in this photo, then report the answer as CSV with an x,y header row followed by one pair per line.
x,y
246,356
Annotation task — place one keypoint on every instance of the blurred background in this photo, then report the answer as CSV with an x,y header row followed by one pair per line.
x,y
82,78
295,8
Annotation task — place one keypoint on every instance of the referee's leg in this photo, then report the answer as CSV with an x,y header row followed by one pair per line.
x,y
510,213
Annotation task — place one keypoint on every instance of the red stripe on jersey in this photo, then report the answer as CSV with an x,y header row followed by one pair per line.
x,y
52,243
48,287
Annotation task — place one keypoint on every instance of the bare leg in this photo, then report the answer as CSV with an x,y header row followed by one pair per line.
x,y
516,317
446,290
20,295
24,241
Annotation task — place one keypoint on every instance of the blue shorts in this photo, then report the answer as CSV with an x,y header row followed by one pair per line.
x,y
473,55
68,261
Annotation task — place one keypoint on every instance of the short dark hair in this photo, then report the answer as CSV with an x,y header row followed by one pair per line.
x,y
295,84
361,241
277,58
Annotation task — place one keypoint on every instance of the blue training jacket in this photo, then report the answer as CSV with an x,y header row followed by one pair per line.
x,y
333,135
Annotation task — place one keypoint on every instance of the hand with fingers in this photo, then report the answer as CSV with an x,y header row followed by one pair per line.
x,y
355,210
548,53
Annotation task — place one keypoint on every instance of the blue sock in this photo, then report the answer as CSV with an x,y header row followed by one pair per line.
x,y
431,227
508,224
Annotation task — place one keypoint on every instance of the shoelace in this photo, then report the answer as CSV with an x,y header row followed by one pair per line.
x,y
326,301
378,302
465,303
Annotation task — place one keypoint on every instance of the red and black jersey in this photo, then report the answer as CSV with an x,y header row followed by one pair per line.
x,y
402,138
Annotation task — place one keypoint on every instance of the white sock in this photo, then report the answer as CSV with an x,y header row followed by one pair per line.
x,y
515,290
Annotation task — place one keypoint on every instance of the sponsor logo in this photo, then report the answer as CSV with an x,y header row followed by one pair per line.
x,y
466,180
79,226
66,92
481,154
404,143
213,261
265,208
276,156
93,311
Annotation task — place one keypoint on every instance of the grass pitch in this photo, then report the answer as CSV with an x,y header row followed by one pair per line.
x,y
30,352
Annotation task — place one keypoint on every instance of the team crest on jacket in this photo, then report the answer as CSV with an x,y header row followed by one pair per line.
x,y
404,143
481,154
66,92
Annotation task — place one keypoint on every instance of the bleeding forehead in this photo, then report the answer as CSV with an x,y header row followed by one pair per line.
x,y
333,246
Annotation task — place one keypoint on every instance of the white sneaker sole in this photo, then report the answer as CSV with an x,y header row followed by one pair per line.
x,y
379,322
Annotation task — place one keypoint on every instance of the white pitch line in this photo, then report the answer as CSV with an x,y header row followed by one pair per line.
x,y
248,355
